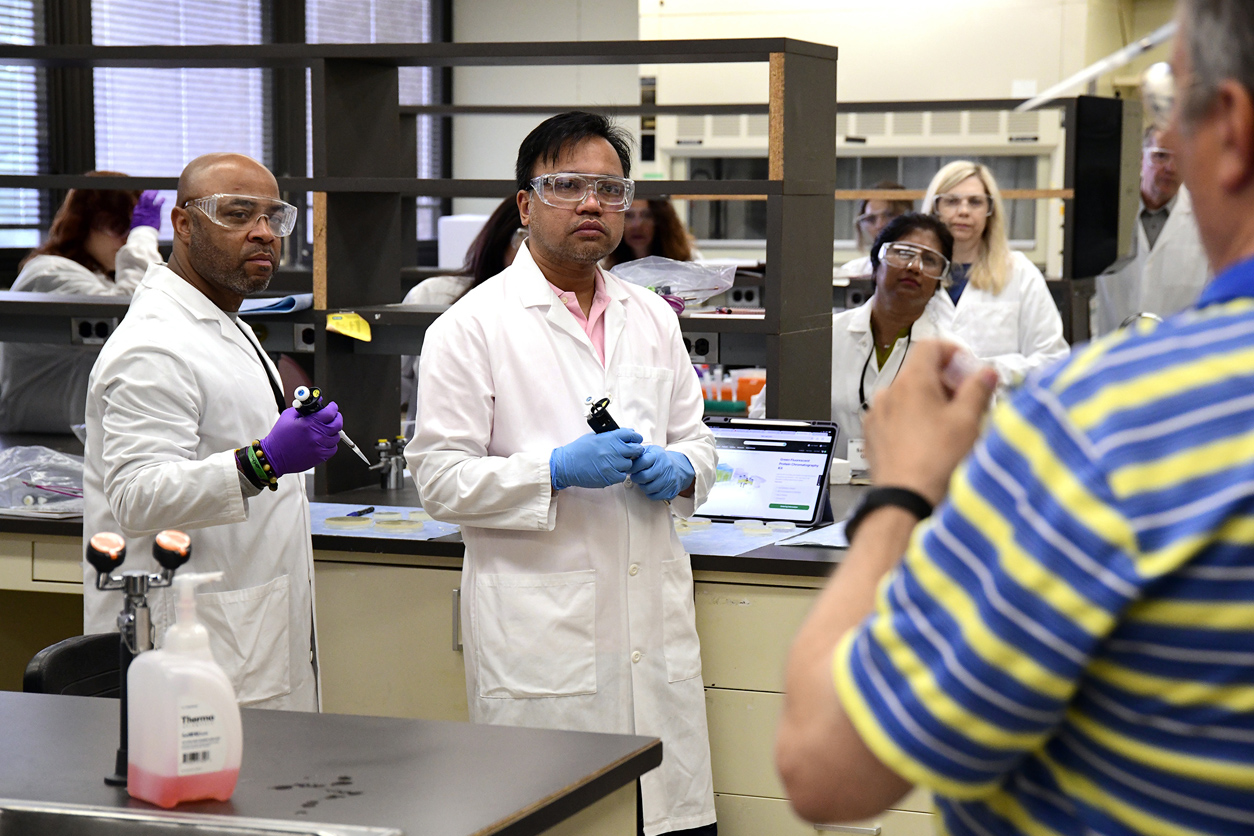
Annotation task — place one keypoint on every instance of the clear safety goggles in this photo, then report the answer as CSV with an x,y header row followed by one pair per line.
x,y
564,190
903,254
977,203
241,211
1160,156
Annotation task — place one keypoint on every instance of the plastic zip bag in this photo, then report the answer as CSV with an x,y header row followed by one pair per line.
x,y
692,282
39,481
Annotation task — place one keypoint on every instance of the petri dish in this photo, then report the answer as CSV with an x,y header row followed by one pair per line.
x,y
781,525
754,530
349,522
698,522
419,514
381,516
399,526
748,524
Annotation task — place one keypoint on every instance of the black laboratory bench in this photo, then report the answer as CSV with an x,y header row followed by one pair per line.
x,y
419,776
771,559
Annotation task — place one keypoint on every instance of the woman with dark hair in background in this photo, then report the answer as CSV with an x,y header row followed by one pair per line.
x,y
652,227
100,244
491,252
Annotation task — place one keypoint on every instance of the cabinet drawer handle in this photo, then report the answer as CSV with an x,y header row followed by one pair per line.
x,y
457,620
849,828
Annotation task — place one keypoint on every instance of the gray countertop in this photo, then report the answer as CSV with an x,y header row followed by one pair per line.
x,y
811,561
422,776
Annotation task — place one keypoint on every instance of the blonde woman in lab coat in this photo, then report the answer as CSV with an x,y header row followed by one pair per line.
x,y
997,300
910,261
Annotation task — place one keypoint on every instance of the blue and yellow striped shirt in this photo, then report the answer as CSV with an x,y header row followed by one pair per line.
x,y
1068,645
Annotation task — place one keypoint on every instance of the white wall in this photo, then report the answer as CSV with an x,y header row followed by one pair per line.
x,y
904,50
485,147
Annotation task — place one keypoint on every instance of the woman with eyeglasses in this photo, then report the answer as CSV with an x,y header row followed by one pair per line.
x,y
910,262
652,227
997,301
100,244
873,215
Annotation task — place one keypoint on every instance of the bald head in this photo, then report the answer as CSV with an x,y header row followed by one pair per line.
x,y
224,173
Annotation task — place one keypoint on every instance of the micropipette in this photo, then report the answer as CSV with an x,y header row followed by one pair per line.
x,y
308,400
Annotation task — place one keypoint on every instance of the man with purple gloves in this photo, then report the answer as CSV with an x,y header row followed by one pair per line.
x,y
187,427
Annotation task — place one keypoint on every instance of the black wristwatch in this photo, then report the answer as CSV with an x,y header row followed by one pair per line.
x,y
878,498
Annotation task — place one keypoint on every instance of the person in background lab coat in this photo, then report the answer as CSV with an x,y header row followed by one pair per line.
x,y
873,216
997,300
491,252
100,243
1167,268
577,598
177,395
910,262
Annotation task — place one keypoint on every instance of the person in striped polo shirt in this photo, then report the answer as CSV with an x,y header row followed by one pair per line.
x,y
1067,645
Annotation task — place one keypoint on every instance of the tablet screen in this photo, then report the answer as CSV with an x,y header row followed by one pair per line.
x,y
770,470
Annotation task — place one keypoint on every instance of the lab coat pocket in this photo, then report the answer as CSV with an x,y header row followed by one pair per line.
x,y
536,634
679,621
642,401
249,634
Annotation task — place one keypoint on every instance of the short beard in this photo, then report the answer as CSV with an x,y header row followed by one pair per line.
x,y
215,267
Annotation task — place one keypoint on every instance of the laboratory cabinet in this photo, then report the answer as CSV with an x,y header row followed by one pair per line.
x,y
747,624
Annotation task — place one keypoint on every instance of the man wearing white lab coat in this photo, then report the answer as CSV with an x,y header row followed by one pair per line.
x,y
577,598
1167,268
177,395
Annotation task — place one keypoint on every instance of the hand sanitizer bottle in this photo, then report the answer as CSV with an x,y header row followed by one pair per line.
x,y
185,738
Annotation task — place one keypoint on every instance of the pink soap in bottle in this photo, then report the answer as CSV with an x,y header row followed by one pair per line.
x,y
184,737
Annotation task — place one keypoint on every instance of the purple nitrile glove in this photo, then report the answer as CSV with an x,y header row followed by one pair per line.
x,y
660,473
594,461
298,442
148,211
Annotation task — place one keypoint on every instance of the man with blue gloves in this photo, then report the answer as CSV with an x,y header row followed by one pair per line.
x,y
577,599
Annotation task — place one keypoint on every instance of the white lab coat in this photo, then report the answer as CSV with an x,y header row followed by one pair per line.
x,y
175,390
577,607
43,388
1016,331
853,345
1163,280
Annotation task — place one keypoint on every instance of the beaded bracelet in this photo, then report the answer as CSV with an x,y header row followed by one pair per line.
x,y
244,466
257,457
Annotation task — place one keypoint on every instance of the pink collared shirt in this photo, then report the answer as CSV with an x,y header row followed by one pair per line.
x,y
594,323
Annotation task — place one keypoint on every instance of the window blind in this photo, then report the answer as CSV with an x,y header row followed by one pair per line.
x,y
154,121
21,130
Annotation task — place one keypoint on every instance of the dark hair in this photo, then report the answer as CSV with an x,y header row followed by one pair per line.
x,y
486,256
670,239
82,211
550,138
905,224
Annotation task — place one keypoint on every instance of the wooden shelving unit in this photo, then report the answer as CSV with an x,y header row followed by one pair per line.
x,y
363,166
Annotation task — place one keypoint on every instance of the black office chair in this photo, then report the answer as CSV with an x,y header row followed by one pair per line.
x,y
83,666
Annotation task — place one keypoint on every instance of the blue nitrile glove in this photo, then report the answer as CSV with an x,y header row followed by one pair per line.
x,y
148,211
595,460
298,442
662,474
